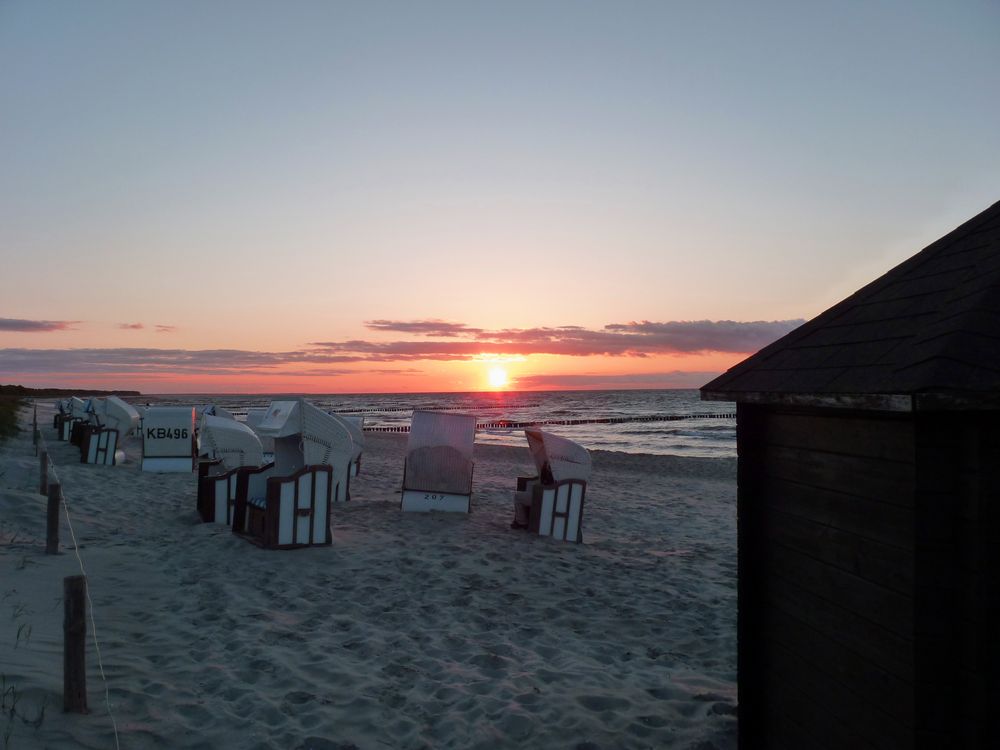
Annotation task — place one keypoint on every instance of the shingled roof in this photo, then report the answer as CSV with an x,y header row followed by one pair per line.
x,y
924,335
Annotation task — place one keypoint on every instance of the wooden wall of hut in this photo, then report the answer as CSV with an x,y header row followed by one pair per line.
x,y
867,578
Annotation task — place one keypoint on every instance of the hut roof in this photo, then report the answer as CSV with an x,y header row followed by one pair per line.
x,y
925,335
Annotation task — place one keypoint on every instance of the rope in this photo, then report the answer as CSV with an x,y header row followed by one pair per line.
x,y
51,469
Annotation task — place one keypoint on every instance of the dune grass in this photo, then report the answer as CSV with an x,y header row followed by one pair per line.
x,y
8,416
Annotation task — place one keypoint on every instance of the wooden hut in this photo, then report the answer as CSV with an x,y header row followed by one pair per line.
x,y
869,512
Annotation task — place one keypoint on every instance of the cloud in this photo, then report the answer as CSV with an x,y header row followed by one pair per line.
x,y
131,326
435,327
672,379
322,359
36,326
635,339
165,329
169,361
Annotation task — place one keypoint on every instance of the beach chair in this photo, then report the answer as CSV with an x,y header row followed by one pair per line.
x,y
551,503
437,474
109,421
286,504
352,466
225,446
168,443
75,411
62,408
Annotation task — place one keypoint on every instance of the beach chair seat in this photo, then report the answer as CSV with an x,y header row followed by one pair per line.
x,y
293,512
555,509
217,487
98,445
551,503
76,431
64,426
225,446
437,472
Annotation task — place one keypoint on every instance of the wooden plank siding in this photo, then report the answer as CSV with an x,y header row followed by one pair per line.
x,y
826,578
958,553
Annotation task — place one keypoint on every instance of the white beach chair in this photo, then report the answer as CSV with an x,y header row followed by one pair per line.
x,y
551,503
437,474
75,414
168,439
287,504
225,446
353,466
110,420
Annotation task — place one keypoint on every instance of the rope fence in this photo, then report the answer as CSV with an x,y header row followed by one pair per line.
x,y
53,487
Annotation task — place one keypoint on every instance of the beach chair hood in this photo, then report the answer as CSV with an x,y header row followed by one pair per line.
x,y
324,440
439,452
566,459
354,426
254,418
77,407
232,442
116,414
212,410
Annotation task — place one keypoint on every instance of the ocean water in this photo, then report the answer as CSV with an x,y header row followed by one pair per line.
x,y
659,422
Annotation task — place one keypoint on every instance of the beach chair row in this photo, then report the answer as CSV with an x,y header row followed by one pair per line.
x,y
96,426
286,503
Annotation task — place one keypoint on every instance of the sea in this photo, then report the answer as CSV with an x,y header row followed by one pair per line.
x,y
658,422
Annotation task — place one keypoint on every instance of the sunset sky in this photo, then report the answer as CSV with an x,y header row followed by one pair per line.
x,y
401,196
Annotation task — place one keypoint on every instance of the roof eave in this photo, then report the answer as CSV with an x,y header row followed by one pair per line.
x,y
893,402
862,401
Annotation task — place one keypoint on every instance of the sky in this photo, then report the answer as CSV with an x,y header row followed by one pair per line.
x,y
323,197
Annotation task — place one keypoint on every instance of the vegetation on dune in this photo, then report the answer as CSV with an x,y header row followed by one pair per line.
x,y
12,397
8,416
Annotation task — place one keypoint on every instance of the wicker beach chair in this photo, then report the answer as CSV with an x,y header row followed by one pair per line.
x,y
225,446
437,474
286,504
109,421
551,503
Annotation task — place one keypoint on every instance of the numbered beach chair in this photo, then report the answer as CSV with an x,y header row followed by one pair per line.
x,y
111,420
287,504
224,447
437,474
168,439
551,503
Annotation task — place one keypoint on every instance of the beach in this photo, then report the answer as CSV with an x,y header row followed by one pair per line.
x,y
410,631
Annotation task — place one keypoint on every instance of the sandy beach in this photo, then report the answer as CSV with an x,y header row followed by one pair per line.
x,y
410,631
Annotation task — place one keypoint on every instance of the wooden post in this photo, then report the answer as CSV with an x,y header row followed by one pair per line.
x,y
74,644
43,473
52,521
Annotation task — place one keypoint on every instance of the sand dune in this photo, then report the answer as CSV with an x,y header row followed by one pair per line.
x,y
410,631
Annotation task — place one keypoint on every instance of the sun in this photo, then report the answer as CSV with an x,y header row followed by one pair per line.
x,y
497,377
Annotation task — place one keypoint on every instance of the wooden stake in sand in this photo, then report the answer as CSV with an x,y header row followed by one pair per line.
x,y
74,644
52,520
43,473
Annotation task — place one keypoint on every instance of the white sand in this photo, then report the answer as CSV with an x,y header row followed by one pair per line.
x,y
411,631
